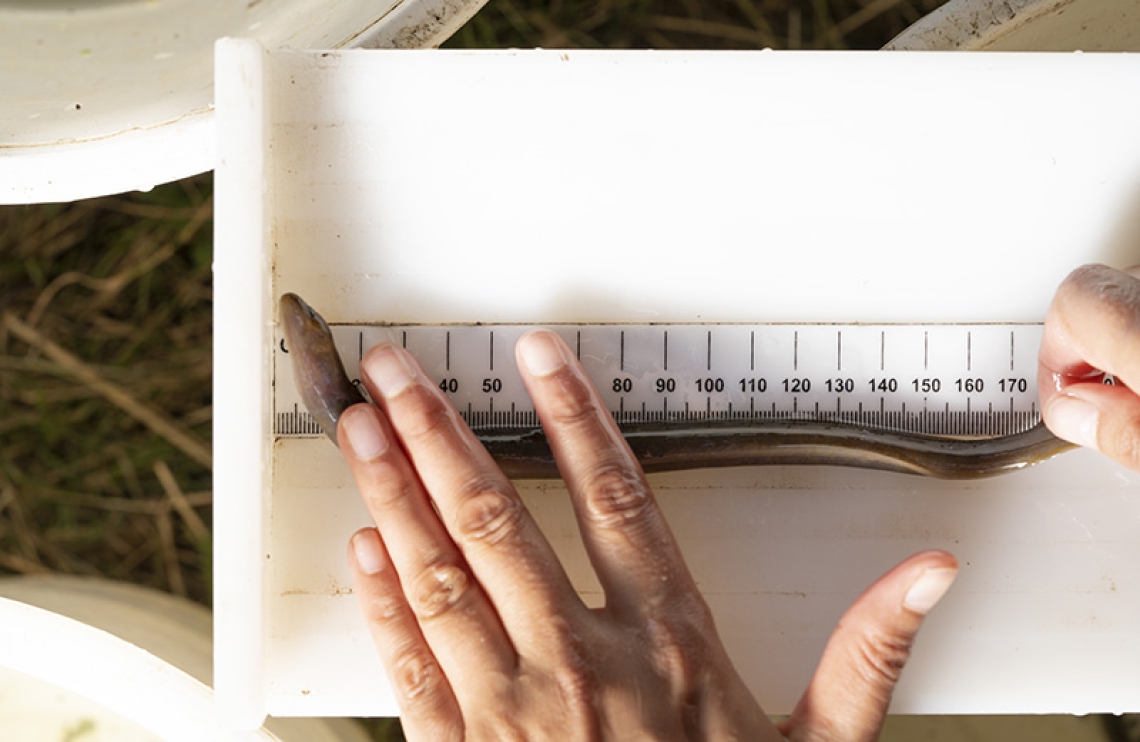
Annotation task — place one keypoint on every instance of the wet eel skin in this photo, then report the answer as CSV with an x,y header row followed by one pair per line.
x,y
327,392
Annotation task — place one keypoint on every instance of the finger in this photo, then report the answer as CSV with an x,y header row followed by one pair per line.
x,y
627,538
455,616
428,707
477,504
1093,326
848,697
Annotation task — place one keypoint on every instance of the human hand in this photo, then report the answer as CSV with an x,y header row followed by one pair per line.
x,y
484,638
1093,328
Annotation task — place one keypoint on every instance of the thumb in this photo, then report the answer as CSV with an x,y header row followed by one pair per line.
x,y
848,697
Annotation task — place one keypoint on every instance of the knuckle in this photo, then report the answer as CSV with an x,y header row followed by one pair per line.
x,y
386,607
490,516
576,690
572,405
416,675
678,648
425,418
616,495
572,671
881,657
438,589
391,488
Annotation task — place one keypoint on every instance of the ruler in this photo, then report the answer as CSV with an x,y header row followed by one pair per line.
x,y
968,380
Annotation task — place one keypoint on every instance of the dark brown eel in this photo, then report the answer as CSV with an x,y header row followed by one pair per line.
x,y
327,392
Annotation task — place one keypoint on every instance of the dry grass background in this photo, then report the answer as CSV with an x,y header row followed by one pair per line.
x,y
105,314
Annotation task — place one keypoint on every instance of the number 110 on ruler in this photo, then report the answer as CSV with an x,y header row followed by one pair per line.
x,y
944,379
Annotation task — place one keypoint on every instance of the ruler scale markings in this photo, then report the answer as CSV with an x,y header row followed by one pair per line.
x,y
996,401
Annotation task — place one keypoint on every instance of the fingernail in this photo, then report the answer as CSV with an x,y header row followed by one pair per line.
x,y
365,436
928,589
1073,419
541,353
368,551
390,369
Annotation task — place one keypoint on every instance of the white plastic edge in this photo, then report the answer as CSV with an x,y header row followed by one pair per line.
x,y
241,400
419,24
969,25
136,160
117,674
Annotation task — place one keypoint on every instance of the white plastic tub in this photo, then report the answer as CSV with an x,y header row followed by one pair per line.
x,y
96,660
1026,25
106,96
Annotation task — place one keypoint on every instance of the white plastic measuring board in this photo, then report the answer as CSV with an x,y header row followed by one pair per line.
x,y
870,190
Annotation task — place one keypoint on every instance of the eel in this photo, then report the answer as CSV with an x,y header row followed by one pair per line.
x,y
327,392
317,370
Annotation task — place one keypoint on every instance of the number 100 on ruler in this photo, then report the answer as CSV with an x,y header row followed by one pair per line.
x,y
939,379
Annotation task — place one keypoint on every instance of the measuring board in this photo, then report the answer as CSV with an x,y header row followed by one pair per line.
x,y
943,379
717,235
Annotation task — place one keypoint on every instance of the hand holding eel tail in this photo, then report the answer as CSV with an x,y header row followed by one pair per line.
x,y
327,393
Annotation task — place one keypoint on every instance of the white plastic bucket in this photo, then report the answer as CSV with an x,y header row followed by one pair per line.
x,y
105,96
1026,25
102,661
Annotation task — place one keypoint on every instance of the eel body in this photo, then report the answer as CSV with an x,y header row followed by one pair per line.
x,y
327,392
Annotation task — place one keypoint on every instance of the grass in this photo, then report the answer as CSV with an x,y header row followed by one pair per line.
x,y
105,314
691,24
105,370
